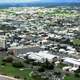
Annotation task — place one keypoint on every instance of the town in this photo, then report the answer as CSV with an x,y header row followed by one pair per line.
x,y
40,43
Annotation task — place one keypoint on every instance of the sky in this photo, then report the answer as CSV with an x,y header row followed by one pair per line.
x,y
17,1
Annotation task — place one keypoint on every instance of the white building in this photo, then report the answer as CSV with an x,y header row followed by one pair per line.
x,y
41,56
72,61
2,42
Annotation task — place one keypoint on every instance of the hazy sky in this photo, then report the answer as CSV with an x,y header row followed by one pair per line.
x,y
4,1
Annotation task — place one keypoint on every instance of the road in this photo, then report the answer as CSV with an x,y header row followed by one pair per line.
x,y
3,77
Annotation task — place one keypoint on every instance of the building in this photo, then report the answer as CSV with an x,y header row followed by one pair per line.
x,y
24,49
72,61
40,56
2,42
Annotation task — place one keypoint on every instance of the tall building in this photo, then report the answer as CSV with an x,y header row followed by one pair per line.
x,y
2,41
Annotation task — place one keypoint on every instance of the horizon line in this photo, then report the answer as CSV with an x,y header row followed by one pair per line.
x,y
37,2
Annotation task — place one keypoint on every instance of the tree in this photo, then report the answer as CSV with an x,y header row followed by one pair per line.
x,y
8,59
36,76
16,76
17,64
41,69
77,72
48,65
58,74
10,53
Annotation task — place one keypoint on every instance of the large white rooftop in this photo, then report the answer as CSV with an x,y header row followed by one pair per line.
x,y
72,61
41,55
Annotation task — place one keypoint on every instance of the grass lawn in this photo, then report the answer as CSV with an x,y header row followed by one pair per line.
x,y
9,70
71,77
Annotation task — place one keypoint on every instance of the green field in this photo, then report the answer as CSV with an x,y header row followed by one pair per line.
x,y
9,70
22,73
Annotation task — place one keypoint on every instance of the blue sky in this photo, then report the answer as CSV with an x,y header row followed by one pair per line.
x,y
16,1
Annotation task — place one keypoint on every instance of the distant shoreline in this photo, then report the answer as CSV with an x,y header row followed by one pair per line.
x,y
7,5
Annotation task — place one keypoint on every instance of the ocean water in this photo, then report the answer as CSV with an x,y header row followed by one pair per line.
x,y
7,5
